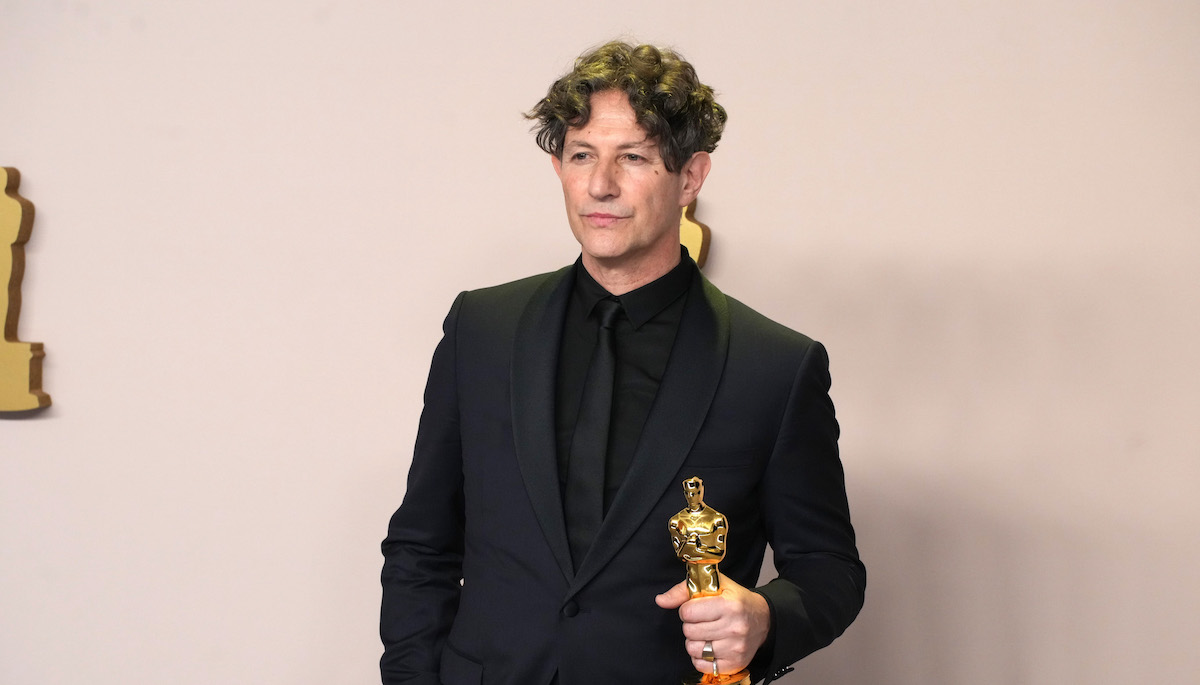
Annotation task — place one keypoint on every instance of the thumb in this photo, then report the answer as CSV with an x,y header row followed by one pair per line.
x,y
673,598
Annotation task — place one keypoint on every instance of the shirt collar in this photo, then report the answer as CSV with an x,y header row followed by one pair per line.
x,y
646,302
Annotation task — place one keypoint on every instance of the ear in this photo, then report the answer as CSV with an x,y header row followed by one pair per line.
x,y
694,171
557,164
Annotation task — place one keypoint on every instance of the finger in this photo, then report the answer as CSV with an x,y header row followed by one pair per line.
x,y
703,609
699,632
695,650
731,654
673,598
724,666
707,666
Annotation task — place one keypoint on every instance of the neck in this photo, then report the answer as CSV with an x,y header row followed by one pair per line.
x,y
619,279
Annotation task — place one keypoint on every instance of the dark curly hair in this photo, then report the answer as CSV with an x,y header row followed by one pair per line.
x,y
671,105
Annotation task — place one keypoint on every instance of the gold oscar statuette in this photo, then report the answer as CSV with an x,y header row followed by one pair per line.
x,y
699,534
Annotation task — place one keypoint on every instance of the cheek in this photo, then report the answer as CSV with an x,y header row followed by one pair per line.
x,y
662,202
574,187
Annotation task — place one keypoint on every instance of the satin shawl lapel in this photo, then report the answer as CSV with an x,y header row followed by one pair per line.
x,y
687,390
534,369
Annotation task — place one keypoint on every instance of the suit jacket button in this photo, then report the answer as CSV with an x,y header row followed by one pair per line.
x,y
570,609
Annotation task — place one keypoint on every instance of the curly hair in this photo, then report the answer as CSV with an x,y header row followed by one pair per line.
x,y
670,103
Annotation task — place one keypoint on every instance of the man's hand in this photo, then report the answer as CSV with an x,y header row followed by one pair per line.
x,y
736,622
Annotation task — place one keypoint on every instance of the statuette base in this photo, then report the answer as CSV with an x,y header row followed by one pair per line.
x,y
739,678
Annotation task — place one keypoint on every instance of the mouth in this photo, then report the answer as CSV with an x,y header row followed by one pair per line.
x,y
603,219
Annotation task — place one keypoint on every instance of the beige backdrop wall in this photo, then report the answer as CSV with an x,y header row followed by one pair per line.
x,y
252,217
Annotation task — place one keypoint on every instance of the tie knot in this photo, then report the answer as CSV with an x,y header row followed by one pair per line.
x,y
608,309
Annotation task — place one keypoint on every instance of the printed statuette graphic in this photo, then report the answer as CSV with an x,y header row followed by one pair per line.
x,y
20,362
694,235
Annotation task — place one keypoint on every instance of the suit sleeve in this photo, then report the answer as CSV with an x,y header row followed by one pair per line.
x,y
821,582
423,550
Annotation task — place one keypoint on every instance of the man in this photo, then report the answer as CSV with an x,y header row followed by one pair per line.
x,y
563,411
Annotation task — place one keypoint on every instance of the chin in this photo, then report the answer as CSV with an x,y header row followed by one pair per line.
x,y
603,249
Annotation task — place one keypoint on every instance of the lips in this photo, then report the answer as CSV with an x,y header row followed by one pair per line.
x,y
603,219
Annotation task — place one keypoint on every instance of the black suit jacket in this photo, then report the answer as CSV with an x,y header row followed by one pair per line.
x,y
743,404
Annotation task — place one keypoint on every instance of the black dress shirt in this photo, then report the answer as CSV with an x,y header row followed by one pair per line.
x,y
645,332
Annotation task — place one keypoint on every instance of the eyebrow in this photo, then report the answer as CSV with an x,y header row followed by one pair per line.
x,y
644,143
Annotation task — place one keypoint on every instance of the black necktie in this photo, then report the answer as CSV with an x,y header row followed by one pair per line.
x,y
583,502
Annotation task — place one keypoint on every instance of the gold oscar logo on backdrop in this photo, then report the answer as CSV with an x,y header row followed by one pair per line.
x,y
694,235
20,362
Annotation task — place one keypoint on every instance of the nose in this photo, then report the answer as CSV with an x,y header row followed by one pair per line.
x,y
603,182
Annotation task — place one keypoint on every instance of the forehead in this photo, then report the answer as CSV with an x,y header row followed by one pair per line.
x,y
611,120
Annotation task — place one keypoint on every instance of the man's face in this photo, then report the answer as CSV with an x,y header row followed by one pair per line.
x,y
622,203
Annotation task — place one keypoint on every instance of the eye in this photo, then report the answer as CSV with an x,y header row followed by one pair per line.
x,y
635,157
